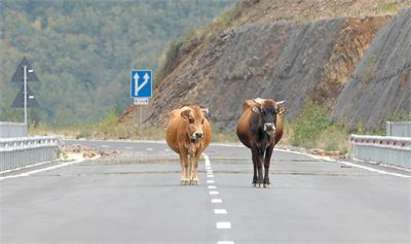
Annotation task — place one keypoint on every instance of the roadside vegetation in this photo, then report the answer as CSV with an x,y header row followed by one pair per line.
x,y
110,128
312,129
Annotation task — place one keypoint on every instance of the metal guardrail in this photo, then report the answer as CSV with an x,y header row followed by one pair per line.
x,y
12,129
22,151
401,129
382,149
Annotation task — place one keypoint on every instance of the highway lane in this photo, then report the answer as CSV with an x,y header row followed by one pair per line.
x,y
310,201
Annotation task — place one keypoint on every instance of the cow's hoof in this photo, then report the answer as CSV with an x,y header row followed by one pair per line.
x,y
184,182
259,185
194,182
267,185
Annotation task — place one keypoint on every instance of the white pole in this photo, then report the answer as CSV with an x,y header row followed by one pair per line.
x,y
25,94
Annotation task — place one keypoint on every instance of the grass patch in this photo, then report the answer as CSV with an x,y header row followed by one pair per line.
x,y
313,129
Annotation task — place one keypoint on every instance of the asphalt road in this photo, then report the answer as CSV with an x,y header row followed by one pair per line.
x,y
141,201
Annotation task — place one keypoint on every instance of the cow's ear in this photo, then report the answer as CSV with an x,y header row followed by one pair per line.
x,y
205,112
256,109
185,114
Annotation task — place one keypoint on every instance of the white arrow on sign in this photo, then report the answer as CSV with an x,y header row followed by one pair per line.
x,y
136,77
146,77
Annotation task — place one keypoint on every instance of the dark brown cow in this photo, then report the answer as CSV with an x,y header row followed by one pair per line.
x,y
188,133
260,128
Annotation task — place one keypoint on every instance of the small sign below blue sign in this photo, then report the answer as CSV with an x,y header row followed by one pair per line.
x,y
141,84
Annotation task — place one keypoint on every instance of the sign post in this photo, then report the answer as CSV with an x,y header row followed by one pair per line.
x,y
141,88
24,69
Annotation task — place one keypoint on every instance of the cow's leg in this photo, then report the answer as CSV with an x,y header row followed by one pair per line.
x,y
260,168
267,159
194,170
257,158
189,168
253,153
184,168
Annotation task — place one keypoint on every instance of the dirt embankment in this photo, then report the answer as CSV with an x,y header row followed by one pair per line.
x,y
267,56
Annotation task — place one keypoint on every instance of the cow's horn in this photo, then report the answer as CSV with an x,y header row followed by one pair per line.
x,y
281,102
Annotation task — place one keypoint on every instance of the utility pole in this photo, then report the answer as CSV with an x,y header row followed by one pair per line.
x,y
25,93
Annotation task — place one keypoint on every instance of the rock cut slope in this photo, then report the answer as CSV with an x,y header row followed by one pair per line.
x,y
255,53
381,84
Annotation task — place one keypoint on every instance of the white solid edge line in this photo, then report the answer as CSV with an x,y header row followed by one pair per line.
x,y
25,167
329,160
223,225
44,169
373,169
225,242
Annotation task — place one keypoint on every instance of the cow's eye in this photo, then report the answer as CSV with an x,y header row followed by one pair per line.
x,y
202,121
191,120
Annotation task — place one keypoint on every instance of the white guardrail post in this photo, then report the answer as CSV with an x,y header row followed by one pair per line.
x,y
399,129
382,149
22,151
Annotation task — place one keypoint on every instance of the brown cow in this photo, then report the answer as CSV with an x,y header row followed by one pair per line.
x,y
260,128
188,133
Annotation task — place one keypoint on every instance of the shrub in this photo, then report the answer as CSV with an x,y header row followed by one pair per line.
x,y
309,125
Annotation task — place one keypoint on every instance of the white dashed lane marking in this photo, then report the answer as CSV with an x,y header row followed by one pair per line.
x,y
223,225
216,200
220,211
220,224
149,149
105,146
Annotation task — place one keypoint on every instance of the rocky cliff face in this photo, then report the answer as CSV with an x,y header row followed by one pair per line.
x,y
264,57
381,84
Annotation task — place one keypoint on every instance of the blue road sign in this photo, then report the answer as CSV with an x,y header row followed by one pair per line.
x,y
141,83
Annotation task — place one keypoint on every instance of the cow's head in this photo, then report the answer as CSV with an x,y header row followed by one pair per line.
x,y
195,118
267,111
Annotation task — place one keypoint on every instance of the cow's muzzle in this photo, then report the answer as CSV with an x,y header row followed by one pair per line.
x,y
197,135
269,128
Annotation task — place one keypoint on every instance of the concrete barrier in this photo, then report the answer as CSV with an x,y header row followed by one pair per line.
x,y
382,149
12,129
400,129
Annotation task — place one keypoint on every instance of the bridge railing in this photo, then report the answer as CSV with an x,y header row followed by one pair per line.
x,y
382,149
400,128
12,129
22,151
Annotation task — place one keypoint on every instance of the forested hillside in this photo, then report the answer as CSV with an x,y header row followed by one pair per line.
x,y
83,50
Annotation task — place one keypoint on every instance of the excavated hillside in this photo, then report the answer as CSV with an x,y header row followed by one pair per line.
x,y
381,84
260,50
